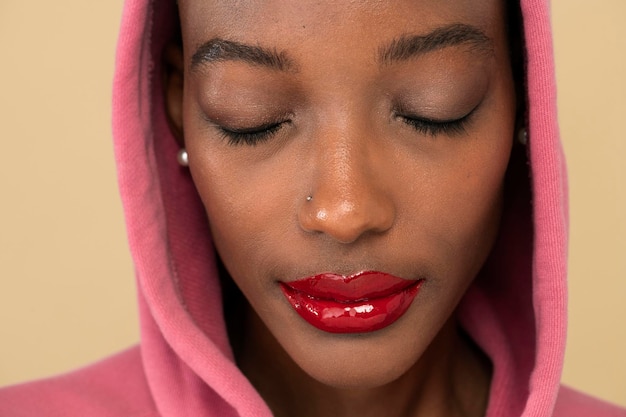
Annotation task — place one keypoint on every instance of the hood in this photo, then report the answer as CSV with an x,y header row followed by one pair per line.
x,y
515,310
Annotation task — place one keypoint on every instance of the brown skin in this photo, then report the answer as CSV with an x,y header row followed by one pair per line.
x,y
386,196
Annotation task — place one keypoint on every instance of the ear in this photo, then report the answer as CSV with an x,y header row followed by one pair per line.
x,y
173,81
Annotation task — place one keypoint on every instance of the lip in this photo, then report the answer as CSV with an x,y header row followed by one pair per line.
x,y
363,302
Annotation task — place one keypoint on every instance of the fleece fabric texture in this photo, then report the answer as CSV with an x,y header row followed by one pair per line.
x,y
515,311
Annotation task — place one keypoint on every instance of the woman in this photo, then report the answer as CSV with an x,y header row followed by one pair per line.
x,y
360,170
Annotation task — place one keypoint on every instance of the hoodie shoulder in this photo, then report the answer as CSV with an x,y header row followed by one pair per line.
x,y
115,386
572,403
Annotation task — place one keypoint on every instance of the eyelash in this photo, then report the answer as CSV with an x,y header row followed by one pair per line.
x,y
251,136
258,134
437,127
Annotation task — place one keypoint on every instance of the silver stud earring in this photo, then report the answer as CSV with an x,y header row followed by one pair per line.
x,y
183,157
309,198
522,136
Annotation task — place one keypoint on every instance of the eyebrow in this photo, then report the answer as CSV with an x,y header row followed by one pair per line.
x,y
221,50
411,46
400,49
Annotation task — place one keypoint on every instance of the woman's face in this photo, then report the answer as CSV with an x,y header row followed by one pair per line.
x,y
397,118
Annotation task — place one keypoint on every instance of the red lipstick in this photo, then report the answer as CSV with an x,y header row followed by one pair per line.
x,y
359,303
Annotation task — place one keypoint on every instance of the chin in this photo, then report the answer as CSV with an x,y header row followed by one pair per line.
x,y
358,361
357,374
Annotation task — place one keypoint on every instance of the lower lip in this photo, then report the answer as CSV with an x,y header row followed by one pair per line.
x,y
346,316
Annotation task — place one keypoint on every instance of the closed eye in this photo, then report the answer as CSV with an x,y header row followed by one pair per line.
x,y
251,136
434,127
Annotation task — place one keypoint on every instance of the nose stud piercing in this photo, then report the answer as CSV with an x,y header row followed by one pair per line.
x,y
309,198
183,157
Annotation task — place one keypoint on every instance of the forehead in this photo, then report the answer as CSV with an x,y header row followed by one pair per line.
x,y
291,22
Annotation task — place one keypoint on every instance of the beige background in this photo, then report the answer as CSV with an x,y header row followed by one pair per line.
x,y
66,280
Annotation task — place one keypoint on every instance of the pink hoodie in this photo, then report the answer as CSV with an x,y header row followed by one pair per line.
x,y
184,365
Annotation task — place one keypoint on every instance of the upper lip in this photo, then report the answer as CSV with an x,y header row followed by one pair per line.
x,y
364,285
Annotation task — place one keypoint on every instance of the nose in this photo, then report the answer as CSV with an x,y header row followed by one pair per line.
x,y
348,199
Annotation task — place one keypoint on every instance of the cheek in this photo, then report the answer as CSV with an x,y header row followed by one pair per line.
x,y
247,215
476,178
468,214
